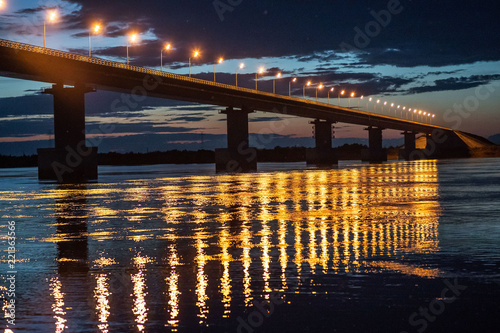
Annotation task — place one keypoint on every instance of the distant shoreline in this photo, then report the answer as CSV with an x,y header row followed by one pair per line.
x,y
278,154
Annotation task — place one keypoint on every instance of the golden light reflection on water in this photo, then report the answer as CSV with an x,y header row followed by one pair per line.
x,y
173,288
101,295
223,241
58,305
140,309
201,280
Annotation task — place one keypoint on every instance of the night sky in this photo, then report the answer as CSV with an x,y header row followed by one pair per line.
x,y
438,56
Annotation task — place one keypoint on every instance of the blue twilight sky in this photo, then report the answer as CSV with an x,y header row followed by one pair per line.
x,y
439,56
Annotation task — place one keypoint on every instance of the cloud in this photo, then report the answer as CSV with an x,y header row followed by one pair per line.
x,y
455,83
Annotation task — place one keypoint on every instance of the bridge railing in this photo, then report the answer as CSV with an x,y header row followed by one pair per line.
x,y
108,63
114,64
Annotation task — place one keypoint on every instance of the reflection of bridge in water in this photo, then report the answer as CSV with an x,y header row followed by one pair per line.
x,y
200,248
71,160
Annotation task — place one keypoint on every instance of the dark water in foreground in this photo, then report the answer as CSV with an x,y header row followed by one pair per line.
x,y
403,246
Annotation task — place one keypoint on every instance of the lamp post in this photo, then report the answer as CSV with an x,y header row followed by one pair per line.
x,y
241,66
195,55
96,29
329,91
318,87
338,95
132,39
260,71
219,62
349,99
290,86
360,100
51,17
167,48
304,88
378,102
274,82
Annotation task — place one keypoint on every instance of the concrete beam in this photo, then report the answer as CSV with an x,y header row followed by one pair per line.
x,y
375,152
408,153
238,156
71,160
323,154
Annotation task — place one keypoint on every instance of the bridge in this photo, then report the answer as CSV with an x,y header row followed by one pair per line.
x,y
74,75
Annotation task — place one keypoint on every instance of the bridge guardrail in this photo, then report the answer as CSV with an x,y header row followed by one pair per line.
x,y
114,64
108,63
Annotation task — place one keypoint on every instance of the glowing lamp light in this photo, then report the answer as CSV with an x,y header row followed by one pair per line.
x,y
378,100
352,94
220,60
242,65
308,83
342,92
294,79
278,75
52,16
370,99
320,86
392,104
97,28
332,89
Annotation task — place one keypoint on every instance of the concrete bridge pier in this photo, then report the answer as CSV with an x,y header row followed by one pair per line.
x,y
238,156
375,152
71,160
323,154
408,153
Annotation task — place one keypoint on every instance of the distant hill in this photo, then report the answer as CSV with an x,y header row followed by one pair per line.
x,y
495,139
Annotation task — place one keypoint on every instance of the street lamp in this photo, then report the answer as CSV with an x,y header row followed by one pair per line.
x,y
132,38
290,86
341,93
167,48
329,91
360,100
241,66
349,99
51,17
218,62
274,82
304,89
318,87
96,29
260,71
196,53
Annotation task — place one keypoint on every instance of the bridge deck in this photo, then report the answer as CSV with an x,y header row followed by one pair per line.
x,y
36,63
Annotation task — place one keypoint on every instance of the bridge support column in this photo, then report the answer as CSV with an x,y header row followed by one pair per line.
x,y
408,153
238,156
375,152
323,154
71,160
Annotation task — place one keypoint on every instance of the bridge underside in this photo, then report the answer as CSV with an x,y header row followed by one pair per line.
x,y
72,160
